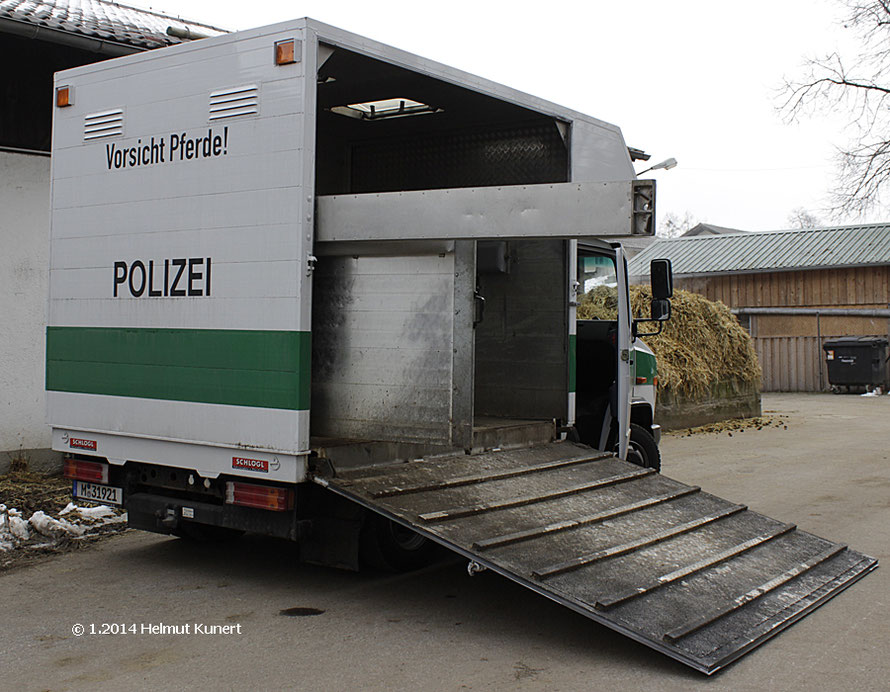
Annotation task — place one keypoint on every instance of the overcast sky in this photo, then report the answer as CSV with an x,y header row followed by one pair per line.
x,y
698,81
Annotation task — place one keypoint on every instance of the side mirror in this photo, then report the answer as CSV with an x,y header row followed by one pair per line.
x,y
660,310
661,279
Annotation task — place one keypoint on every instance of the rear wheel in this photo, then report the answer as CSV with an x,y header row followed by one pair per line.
x,y
388,545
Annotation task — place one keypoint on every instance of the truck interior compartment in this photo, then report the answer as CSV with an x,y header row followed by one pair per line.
x,y
462,139
403,354
421,347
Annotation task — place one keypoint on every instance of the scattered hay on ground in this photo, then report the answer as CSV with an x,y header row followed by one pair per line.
x,y
734,425
30,492
702,344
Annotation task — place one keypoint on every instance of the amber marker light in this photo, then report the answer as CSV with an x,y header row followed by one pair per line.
x,y
284,52
63,97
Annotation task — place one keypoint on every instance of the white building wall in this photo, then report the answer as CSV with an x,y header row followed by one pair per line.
x,y
24,259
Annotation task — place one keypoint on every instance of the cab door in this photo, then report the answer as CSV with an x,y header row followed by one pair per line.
x,y
624,351
603,360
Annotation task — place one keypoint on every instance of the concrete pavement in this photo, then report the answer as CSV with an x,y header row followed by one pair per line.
x,y
438,629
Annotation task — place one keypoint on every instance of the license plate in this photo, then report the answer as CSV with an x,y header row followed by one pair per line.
x,y
106,494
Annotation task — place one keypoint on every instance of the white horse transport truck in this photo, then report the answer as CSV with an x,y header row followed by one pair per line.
x,y
307,285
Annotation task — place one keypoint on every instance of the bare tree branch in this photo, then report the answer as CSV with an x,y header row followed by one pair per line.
x,y
863,164
801,218
673,225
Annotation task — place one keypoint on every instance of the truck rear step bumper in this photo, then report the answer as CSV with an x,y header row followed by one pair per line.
x,y
162,514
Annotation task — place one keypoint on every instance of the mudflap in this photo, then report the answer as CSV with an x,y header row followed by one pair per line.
x,y
687,573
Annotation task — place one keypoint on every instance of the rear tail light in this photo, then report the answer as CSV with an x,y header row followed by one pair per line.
x,y
642,380
92,471
259,496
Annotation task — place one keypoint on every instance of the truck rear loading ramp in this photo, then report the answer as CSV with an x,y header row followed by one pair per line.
x,y
692,575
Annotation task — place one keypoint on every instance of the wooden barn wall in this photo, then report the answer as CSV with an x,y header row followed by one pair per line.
x,y
790,347
852,287
792,363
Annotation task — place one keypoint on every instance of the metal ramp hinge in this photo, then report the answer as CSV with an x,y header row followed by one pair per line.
x,y
311,261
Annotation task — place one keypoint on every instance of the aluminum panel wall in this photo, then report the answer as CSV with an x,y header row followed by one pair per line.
x,y
560,210
598,153
221,357
382,348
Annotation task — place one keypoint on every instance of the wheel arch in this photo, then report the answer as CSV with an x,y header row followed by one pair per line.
x,y
641,414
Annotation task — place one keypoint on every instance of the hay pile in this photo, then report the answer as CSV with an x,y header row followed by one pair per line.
x,y
702,344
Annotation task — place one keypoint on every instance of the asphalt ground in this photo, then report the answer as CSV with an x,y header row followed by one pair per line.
x,y
827,468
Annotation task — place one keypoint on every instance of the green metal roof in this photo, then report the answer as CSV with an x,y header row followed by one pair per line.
x,y
738,253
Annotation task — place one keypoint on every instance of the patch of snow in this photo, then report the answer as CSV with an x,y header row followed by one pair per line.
x,y
53,528
75,522
18,527
100,512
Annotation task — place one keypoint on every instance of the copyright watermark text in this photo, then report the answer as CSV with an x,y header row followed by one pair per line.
x,y
150,628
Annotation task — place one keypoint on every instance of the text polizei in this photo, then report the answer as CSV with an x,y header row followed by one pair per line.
x,y
167,278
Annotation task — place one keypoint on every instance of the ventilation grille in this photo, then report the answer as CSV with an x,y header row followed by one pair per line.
x,y
231,103
104,124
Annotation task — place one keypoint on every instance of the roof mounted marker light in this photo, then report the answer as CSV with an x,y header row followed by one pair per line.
x,y
285,52
64,96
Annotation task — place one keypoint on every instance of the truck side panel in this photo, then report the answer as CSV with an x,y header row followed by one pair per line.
x,y
179,292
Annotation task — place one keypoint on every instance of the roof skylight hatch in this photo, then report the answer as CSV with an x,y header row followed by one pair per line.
x,y
385,109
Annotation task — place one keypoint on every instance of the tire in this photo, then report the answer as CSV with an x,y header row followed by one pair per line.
x,y
388,545
642,449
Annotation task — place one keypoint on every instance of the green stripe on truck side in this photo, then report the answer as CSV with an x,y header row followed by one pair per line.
x,y
645,365
269,369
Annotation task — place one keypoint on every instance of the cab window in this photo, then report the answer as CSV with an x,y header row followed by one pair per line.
x,y
598,287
